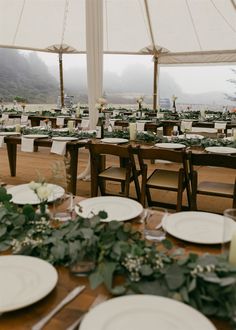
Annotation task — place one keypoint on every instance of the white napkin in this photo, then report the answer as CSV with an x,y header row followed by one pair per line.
x,y
220,125
85,123
1,140
140,127
24,119
59,147
60,121
27,144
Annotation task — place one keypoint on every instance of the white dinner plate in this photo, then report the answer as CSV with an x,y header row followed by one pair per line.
x,y
221,150
197,227
22,194
170,145
24,280
117,208
114,140
9,133
64,138
191,136
36,136
138,312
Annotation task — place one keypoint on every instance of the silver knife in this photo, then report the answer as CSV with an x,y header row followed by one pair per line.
x,y
39,325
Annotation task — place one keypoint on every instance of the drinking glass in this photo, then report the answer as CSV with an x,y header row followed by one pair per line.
x,y
153,224
63,208
229,231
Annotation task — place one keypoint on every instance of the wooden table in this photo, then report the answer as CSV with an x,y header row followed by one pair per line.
x,y
25,318
71,147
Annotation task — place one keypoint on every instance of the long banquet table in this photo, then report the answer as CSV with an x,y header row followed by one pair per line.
x,y
25,318
72,147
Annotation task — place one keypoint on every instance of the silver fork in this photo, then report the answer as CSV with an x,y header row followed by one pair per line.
x,y
39,325
98,300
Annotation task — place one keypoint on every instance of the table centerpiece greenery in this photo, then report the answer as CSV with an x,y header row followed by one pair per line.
x,y
207,282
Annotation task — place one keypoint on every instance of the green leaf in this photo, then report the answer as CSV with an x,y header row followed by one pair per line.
x,y
118,290
107,270
58,250
87,233
103,214
167,244
3,230
174,277
95,279
146,270
150,287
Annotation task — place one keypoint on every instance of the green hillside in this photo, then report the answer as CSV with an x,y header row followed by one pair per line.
x,y
27,77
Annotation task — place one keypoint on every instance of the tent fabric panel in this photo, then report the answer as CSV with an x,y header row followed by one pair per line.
x,y
125,26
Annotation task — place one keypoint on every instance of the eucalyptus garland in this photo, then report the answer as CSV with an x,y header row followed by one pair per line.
x,y
208,282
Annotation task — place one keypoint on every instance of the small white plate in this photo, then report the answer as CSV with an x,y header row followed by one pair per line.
x,y
114,140
64,138
144,312
221,150
36,136
24,280
117,208
170,145
9,133
197,227
22,194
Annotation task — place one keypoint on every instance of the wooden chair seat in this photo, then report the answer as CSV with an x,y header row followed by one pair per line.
x,y
114,173
216,189
123,170
210,188
164,179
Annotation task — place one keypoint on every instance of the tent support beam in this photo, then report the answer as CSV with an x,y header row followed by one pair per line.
x,y
155,78
61,80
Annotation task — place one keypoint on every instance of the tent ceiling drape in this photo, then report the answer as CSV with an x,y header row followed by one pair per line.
x,y
187,28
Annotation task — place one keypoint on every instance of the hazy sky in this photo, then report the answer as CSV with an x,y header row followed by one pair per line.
x,y
195,79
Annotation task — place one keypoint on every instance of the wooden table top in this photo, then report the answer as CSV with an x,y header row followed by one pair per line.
x,y
25,318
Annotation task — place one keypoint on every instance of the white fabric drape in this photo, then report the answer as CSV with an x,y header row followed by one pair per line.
x,y
94,45
94,42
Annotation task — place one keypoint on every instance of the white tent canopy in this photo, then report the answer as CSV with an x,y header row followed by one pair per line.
x,y
193,31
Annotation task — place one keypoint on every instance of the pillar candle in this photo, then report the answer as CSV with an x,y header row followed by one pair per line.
x,y
232,250
71,125
17,128
132,131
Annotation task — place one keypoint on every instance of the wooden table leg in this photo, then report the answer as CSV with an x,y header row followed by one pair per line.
x,y
11,151
71,170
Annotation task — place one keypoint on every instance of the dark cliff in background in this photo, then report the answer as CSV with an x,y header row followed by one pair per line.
x,y
27,77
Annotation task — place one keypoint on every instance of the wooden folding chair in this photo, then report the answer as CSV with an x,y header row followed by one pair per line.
x,y
101,172
211,188
163,179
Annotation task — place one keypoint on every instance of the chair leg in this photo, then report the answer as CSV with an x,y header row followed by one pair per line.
x,y
179,200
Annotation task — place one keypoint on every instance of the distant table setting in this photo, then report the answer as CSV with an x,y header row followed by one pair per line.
x,y
102,250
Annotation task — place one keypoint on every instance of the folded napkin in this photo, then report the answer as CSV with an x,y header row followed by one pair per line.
x,y
27,144
140,127
1,140
59,147
60,121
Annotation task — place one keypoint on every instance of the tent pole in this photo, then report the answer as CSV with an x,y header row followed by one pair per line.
x,y
61,80
155,60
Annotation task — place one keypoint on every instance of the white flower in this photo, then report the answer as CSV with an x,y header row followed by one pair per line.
x,y
34,185
43,192
101,101
174,98
140,100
